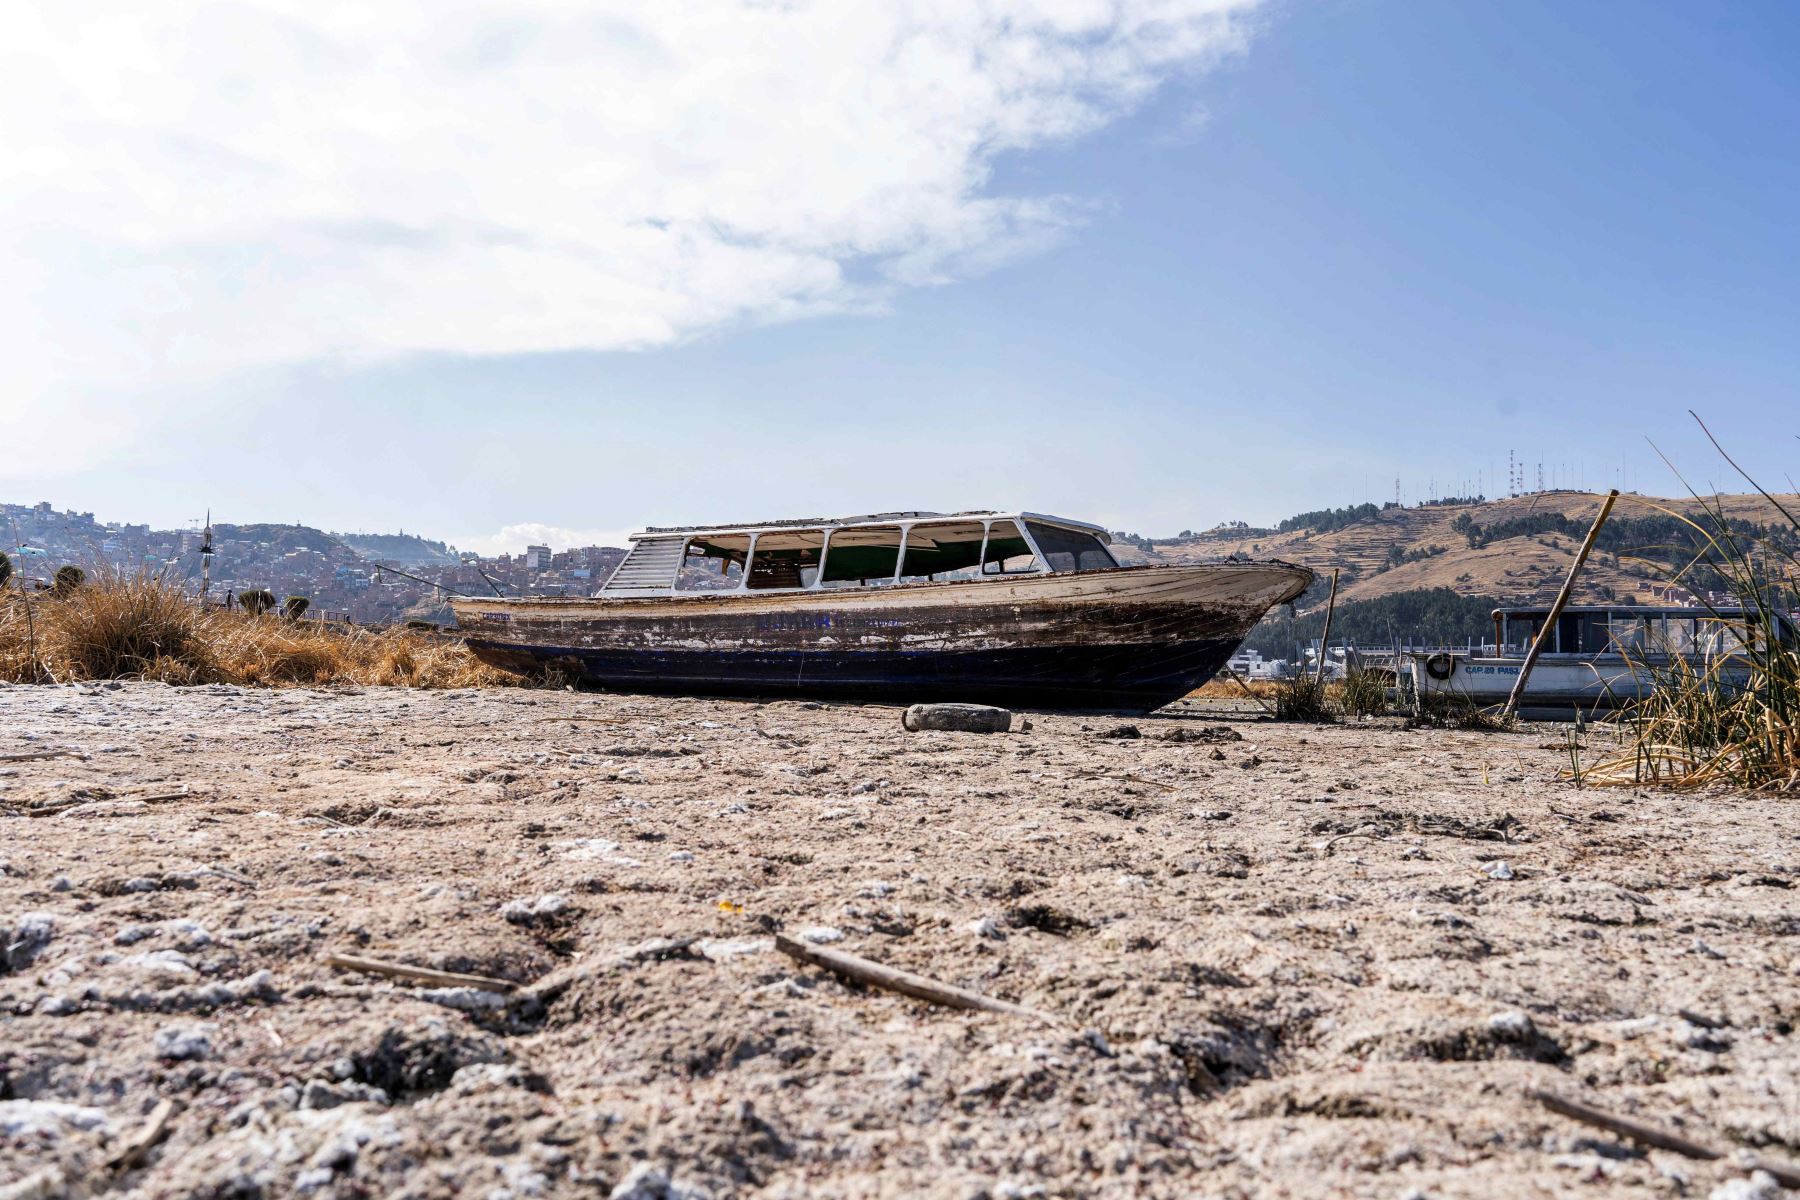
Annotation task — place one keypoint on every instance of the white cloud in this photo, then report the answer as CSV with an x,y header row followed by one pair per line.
x,y
193,189
514,538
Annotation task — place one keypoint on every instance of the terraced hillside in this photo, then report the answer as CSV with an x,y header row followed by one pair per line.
x,y
1405,549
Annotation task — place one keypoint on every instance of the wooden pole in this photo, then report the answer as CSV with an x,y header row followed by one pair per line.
x,y
1325,636
1562,599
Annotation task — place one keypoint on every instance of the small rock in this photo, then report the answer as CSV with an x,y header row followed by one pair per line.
x,y
28,937
957,718
1512,1026
681,856
819,935
1498,869
543,910
643,1182
180,1043
463,999
1760,1186
320,1094
986,927
1120,732
46,1120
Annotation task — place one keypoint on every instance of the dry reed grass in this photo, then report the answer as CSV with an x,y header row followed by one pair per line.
x,y
1697,725
146,627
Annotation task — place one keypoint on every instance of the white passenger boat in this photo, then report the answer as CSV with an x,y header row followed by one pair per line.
x,y
1598,657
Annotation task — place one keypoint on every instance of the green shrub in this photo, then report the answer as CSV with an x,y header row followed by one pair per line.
x,y
256,601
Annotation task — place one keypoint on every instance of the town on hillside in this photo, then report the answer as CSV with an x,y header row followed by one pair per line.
x,y
370,579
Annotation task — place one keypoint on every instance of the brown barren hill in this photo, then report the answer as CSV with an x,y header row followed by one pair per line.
x,y
1520,568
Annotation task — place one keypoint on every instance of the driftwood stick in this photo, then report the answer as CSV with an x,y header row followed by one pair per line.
x,y
1233,676
394,970
1325,636
1548,630
895,980
148,1134
1786,1175
1126,778
40,755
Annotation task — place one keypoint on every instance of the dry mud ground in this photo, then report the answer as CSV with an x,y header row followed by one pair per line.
x,y
1248,1001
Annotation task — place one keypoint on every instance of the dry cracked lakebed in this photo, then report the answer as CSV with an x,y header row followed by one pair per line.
x,y
1278,960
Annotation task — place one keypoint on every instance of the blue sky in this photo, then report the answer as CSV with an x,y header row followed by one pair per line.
x,y
1336,243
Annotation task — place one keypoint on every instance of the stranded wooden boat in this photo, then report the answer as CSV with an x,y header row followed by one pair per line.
x,y
1015,608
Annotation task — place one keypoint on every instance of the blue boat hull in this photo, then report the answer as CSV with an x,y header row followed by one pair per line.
x,y
1134,679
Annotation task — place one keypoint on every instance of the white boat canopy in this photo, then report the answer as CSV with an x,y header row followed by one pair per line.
x,y
865,551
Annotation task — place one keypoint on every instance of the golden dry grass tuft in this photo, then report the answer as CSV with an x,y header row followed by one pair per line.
x,y
1733,716
147,627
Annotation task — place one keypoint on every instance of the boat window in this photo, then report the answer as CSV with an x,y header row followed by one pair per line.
x,y
786,559
1522,630
1008,553
861,554
714,563
1594,632
942,550
1726,636
1068,550
1674,635
1630,633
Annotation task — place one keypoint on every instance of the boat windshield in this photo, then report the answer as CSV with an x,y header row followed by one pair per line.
x,y
713,564
786,559
861,554
942,550
1067,550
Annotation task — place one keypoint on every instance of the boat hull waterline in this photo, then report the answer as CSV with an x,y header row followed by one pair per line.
x,y
1131,639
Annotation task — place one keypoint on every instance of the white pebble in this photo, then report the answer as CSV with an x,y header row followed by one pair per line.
x,y
181,1042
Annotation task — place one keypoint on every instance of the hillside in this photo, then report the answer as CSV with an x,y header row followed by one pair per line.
x,y
402,549
1518,554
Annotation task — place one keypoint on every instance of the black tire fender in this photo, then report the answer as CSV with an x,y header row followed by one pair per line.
x,y
1439,666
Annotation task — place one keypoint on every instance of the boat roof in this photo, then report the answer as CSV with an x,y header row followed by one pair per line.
x,y
883,518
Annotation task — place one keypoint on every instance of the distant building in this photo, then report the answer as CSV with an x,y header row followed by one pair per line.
x,y
537,558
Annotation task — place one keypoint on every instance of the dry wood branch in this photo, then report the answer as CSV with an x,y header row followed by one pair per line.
x,y
394,970
150,1133
40,755
895,980
1233,676
1126,778
1661,1139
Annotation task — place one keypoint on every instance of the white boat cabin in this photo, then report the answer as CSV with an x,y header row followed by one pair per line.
x,y
1631,630
857,552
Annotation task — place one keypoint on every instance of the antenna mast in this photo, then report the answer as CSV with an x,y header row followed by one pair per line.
x,y
206,553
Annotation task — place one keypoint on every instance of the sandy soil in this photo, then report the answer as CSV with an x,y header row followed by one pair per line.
x,y
1281,960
